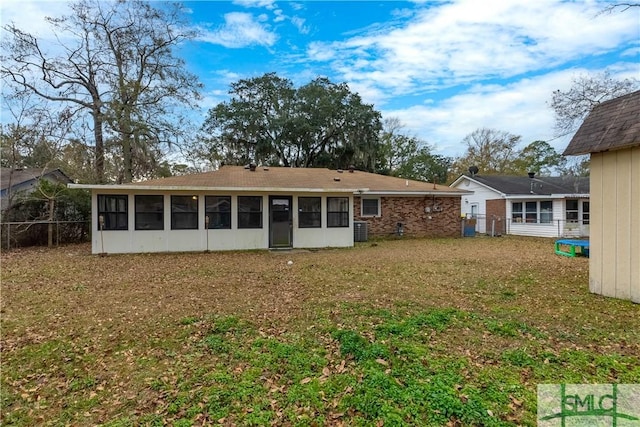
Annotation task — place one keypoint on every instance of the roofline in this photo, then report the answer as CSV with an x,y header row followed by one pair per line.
x,y
524,195
45,172
547,196
201,188
417,193
572,195
495,190
357,191
568,152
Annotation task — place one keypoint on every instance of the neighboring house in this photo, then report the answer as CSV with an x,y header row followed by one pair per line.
x,y
611,134
24,181
239,207
527,205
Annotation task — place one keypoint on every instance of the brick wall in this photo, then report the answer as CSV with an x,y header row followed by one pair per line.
x,y
443,221
497,209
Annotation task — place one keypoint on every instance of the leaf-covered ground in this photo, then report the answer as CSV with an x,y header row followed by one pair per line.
x,y
399,332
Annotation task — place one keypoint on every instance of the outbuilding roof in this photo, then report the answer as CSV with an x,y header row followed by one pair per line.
x,y
523,185
612,125
15,177
239,178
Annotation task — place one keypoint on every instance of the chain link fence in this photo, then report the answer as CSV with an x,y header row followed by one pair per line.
x,y
43,233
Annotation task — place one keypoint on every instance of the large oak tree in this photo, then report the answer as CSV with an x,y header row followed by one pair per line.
x,y
269,121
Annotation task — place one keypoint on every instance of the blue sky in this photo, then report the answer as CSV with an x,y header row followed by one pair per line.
x,y
443,68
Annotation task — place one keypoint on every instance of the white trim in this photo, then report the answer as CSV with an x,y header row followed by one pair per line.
x,y
356,191
469,179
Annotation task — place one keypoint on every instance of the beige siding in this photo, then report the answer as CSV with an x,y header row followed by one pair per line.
x,y
615,230
634,229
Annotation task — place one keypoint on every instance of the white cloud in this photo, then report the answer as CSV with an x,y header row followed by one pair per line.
x,y
296,21
279,16
459,43
268,4
521,108
299,23
320,52
240,30
30,16
634,51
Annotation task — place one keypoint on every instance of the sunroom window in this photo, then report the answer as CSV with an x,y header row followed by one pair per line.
x,y
112,212
218,210
249,212
184,212
337,211
309,212
149,212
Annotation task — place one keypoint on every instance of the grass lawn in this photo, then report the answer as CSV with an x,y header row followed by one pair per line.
x,y
399,332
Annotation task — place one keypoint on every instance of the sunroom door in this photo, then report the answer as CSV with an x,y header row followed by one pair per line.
x,y
280,222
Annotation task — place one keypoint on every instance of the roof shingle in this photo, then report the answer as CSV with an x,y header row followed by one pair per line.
x,y
239,177
544,185
15,177
614,124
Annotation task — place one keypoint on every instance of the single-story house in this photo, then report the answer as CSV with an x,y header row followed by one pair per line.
x,y
527,205
611,135
253,207
25,180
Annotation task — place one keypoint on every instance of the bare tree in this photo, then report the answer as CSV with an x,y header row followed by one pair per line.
x,y
620,7
586,91
115,62
492,151
71,77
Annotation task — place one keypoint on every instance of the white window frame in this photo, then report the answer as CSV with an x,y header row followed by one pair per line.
x,y
377,214
519,217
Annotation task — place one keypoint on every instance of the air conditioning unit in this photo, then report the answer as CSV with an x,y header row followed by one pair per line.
x,y
360,231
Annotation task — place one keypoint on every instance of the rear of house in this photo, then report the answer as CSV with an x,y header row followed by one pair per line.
x,y
237,208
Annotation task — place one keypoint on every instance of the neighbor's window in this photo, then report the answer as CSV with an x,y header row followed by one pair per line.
x,y
184,212
585,213
113,210
218,209
534,212
516,212
571,210
309,212
249,212
149,212
370,207
531,212
337,211
546,212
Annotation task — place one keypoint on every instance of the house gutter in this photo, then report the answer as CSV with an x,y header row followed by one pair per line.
x,y
356,191
416,193
548,196
190,188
